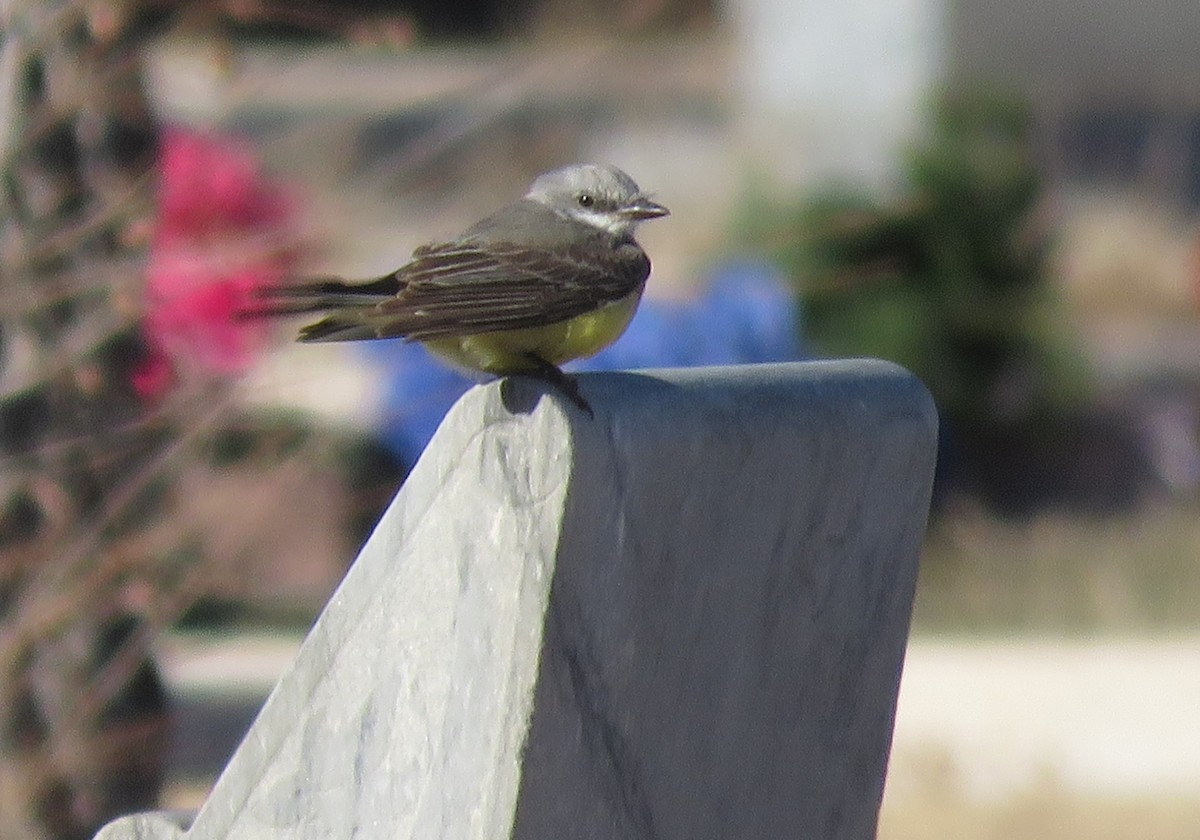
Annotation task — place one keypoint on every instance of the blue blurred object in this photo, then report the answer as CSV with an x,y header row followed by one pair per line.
x,y
746,314
418,390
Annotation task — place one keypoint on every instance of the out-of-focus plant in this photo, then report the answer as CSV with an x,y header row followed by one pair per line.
x,y
120,439
949,276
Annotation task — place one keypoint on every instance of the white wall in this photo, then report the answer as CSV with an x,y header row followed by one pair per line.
x,y
835,87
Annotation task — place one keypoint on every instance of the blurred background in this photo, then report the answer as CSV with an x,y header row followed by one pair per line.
x,y
1005,198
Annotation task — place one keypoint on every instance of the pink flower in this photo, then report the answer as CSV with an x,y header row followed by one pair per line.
x,y
152,377
223,232
212,186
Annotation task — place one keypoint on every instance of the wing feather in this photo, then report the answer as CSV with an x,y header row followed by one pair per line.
x,y
474,287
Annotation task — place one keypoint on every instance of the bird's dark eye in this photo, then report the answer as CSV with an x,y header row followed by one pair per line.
x,y
586,200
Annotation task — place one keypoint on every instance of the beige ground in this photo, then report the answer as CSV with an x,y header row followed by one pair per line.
x,y
1047,739
1043,814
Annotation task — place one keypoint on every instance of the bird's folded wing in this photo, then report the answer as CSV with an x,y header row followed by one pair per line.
x,y
458,288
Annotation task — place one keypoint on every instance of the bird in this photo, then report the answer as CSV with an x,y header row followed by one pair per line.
x,y
552,277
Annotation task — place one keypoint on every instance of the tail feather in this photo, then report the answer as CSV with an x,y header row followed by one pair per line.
x,y
381,287
338,328
320,296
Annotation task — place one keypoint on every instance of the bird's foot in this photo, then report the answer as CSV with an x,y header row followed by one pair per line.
x,y
565,383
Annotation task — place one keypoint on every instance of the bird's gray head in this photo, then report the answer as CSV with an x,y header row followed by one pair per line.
x,y
601,196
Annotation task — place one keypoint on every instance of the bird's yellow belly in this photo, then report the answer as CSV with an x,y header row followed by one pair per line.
x,y
508,351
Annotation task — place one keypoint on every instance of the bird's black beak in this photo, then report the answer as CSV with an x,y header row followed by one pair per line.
x,y
643,209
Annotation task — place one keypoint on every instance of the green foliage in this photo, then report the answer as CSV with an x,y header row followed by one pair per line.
x,y
947,278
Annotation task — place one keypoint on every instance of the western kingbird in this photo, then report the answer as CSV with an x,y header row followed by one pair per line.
x,y
555,276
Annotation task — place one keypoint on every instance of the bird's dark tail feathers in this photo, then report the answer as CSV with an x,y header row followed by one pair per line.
x,y
341,301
